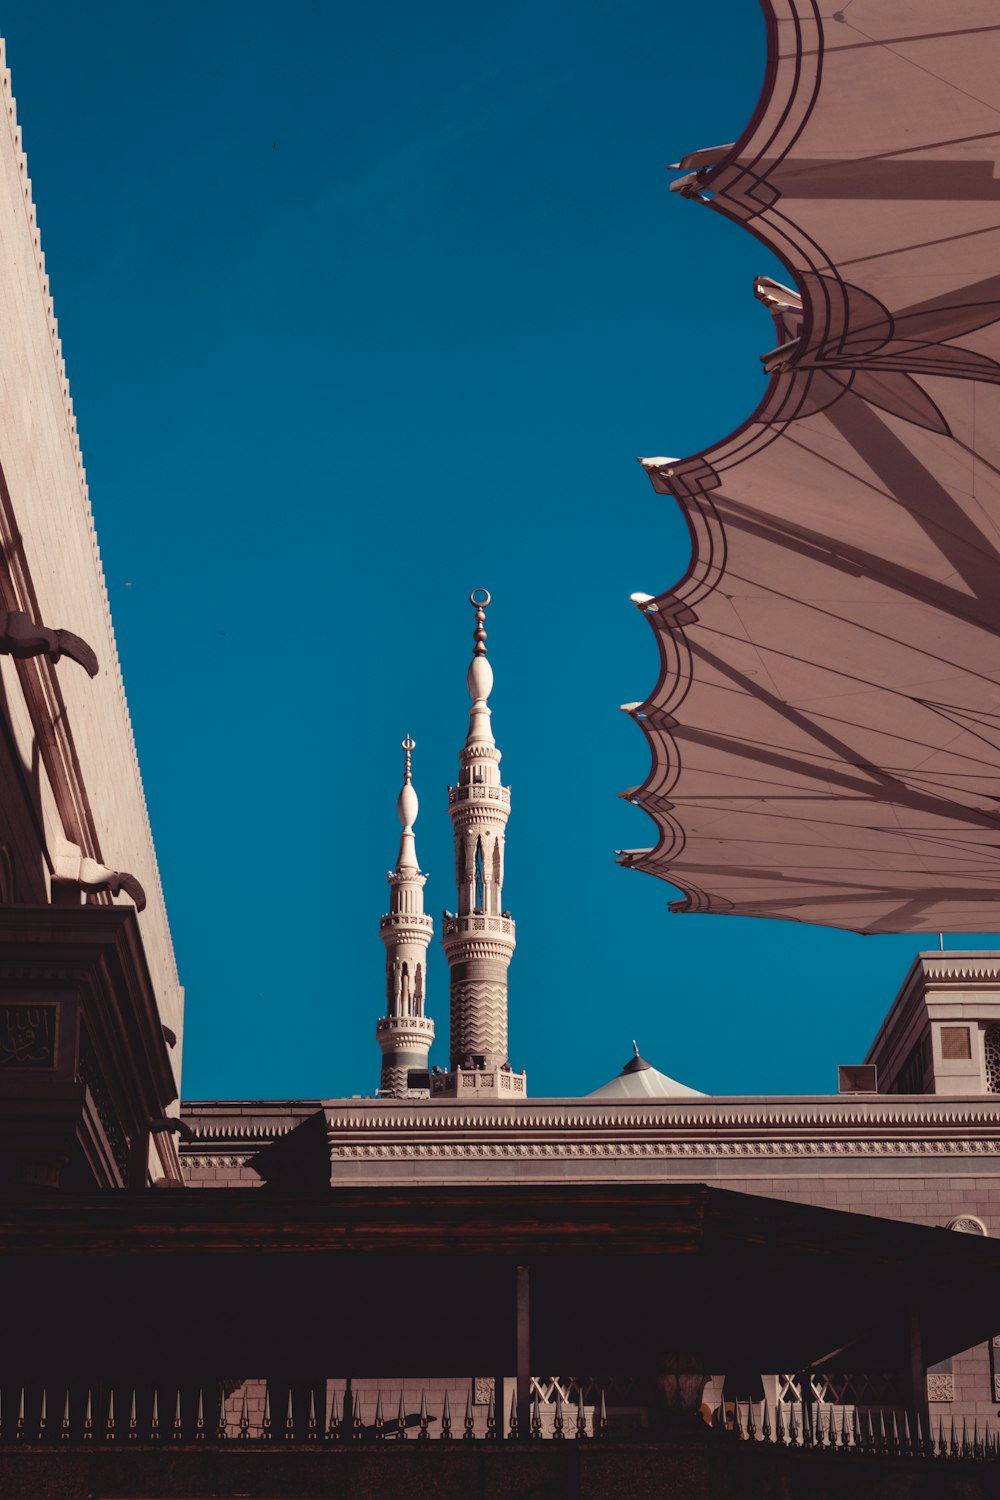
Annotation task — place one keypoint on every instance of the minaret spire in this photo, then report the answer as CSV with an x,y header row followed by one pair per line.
x,y
405,1033
479,939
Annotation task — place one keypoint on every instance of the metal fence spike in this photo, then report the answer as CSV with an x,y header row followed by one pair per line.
x,y
491,1413
446,1417
953,1445
512,1424
793,1431
602,1420
289,1418
333,1424
581,1415
199,1421
831,1429
88,1418
401,1418
779,1422
379,1418
965,1439
64,1431
177,1431
765,1422
751,1425
311,1424
244,1417
133,1426
470,1421
424,1418
265,1427
558,1425
536,1417
222,1424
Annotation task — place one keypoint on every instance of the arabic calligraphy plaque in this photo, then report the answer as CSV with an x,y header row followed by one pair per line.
x,y
28,1036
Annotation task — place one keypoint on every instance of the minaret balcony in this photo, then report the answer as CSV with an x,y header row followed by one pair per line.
x,y
405,1033
479,791
479,924
418,922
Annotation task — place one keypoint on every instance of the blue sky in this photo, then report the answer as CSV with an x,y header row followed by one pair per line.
x,y
364,306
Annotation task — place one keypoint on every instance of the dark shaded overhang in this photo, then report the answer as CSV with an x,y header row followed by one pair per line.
x,y
620,1276
825,733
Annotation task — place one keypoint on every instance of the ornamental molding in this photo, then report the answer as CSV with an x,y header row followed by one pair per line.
x,y
959,973
248,1132
521,1150
672,1117
68,974
194,1160
463,947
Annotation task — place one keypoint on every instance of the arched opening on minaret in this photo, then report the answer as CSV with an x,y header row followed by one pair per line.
x,y
480,878
418,991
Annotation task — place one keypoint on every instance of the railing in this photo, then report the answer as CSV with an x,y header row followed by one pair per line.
x,y
806,1425
97,1417
245,1416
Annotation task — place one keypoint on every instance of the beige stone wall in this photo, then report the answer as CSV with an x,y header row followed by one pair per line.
x,y
70,771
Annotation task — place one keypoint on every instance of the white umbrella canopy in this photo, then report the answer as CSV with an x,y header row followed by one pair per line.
x,y
825,733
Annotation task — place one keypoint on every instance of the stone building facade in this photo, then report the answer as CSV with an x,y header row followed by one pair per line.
x,y
931,1156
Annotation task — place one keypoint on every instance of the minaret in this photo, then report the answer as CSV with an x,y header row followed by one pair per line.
x,y
404,1033
479,940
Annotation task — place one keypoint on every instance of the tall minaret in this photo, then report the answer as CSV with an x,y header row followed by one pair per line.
x,y
479,940
404,1032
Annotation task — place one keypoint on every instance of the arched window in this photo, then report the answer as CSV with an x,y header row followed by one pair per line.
x,y
496,864
992,1041
479,874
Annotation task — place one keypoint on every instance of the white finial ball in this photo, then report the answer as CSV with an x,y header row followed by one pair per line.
x,y
479,678
407,806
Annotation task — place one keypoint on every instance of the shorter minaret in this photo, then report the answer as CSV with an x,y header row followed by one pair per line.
x,y
404,1033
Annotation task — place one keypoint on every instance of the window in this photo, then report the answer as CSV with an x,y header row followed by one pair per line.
x,y
992,1040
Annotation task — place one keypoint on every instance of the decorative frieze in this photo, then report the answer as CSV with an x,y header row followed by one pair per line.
x,y
370,1150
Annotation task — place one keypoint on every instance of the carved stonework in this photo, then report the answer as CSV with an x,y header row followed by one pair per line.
x,y
968,1224
91,1074
482,1390
197,1162
584,1148
942,1388
28,1036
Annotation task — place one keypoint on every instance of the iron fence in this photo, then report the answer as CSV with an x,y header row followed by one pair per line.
x,y
243,1413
